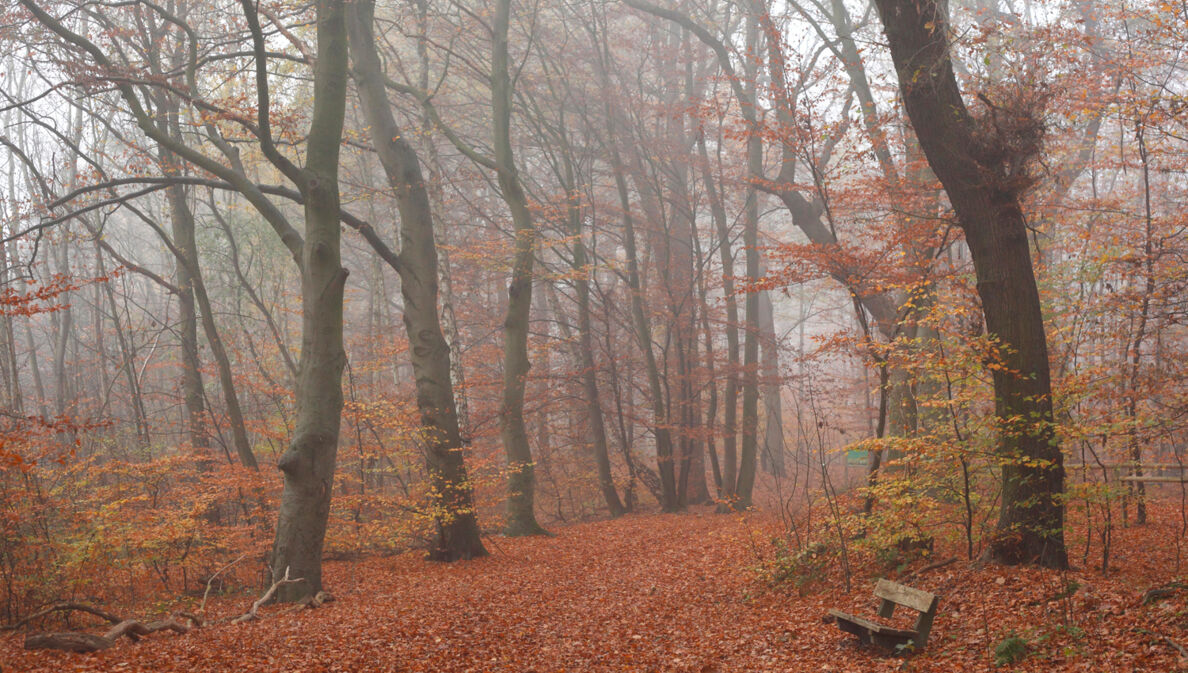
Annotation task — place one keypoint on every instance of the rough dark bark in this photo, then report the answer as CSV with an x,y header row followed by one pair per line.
x,y
978,172
458,535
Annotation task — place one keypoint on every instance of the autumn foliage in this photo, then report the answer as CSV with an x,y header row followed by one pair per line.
x,y
610,259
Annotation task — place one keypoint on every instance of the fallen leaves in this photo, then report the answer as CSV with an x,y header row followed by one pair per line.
x,y
661,593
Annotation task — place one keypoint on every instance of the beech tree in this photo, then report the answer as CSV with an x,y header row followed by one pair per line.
x,y
457,525
308,464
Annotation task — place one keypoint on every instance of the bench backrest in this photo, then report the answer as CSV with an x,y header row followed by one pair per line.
x,y
893,593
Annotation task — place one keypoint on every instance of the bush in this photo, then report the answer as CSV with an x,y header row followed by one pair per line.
x,y
799,567
1010,650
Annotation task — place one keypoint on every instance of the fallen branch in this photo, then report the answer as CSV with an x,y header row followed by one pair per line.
x,y
1160,637
64,607
252,614
70,641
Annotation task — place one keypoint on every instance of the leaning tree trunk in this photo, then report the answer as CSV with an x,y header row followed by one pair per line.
x,y
308,464
458,535
194,302
521,479
980,170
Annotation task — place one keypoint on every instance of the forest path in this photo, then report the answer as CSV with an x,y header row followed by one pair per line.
x,y
649,593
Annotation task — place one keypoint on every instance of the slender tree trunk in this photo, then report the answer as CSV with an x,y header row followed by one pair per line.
x,y
521,482
643,334
773,408
128,362
729,471
1136,346
594,416
750,389
191,375
458,535
243,446
192,300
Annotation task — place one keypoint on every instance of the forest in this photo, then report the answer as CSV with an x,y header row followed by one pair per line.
x,y
593,335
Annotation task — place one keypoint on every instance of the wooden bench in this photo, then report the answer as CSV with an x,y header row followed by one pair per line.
x,y
891,595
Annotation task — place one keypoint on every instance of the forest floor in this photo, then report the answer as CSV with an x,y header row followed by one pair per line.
x,y
671,593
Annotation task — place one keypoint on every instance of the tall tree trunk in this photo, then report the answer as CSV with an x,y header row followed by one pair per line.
x,y
594,416
191,375
750,389
458,535
773,408
308,464
978,175
521,481
1135,347
243,446
643,335
729,468
194,300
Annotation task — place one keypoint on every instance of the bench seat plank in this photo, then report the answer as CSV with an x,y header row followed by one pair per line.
x,y
869,626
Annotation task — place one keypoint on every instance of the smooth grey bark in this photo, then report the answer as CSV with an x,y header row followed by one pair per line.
x,y
643,335
772,456
748,451
308,464
191,365
239,436
193,299
457,530
729,467
521,481
185,266
589,368
194,302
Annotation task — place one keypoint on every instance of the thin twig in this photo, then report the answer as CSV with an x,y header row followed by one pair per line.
x,y
210,582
